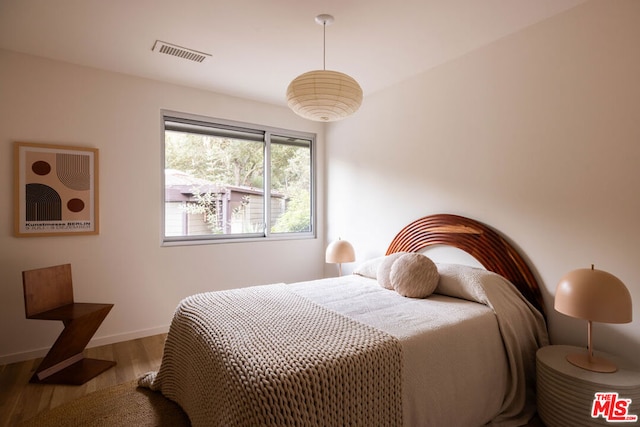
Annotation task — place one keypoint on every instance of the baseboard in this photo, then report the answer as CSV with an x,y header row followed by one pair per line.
x,y
95,342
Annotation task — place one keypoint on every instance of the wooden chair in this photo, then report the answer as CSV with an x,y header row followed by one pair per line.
x,y
48,295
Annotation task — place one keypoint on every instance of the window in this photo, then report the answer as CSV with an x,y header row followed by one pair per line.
x,y
225,180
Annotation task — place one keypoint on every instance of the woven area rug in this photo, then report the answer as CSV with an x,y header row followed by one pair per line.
x,y
121,405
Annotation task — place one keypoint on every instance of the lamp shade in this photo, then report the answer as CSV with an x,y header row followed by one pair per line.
x,y
340,251
593,295
324,95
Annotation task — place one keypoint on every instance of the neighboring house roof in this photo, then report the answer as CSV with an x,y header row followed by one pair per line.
x,y
181,186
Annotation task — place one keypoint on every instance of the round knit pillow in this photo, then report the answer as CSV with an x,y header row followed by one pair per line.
x,y
384,270
414,276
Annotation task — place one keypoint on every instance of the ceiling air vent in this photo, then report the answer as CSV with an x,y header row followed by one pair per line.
x,y
179,51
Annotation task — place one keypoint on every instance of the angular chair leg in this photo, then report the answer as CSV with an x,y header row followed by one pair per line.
x,y
65,363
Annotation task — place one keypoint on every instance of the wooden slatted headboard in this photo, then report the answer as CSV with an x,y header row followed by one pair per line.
x,y
477,239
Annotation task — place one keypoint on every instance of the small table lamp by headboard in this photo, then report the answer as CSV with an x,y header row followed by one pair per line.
x,y
340,251
595,296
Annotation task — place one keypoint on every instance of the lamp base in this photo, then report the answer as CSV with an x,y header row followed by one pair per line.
x,y
591,363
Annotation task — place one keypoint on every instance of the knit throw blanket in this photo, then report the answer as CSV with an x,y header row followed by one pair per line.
x,y
267,356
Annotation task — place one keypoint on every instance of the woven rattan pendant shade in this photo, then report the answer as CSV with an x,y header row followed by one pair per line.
x,y
324,95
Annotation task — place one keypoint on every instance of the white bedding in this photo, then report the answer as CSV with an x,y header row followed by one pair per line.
x,y
463,365
468,351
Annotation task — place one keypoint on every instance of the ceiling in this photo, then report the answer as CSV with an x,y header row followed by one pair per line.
x,y
258,46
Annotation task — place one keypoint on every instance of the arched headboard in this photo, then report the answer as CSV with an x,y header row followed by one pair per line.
x,y
477,239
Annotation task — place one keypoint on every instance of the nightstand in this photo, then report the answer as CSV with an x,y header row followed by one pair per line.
x,y
566,393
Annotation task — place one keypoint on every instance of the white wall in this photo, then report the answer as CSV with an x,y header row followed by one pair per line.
x,y
537,135
51,102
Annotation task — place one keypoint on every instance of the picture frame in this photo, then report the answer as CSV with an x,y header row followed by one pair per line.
x,y
56,190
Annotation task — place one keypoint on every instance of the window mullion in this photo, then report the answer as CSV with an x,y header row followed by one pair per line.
x,y
267,184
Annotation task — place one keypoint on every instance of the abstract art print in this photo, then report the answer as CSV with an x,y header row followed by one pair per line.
x,y
56,190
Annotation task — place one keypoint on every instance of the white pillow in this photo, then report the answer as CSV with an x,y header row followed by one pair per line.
x,y
384,270
369,268
414,276
462,281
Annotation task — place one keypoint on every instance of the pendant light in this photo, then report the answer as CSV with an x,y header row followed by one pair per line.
x,y
324,95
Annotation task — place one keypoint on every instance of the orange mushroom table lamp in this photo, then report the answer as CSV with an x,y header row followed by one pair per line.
x,y
595,296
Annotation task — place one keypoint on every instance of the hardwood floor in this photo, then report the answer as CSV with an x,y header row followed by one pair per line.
x,y
21,400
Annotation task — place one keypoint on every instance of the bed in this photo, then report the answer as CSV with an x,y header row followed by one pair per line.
x,y
350,351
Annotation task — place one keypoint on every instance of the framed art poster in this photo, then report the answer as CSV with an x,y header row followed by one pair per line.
x,y
56,190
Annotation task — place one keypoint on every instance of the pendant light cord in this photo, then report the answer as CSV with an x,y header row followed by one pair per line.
x,y
324,45
324,20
